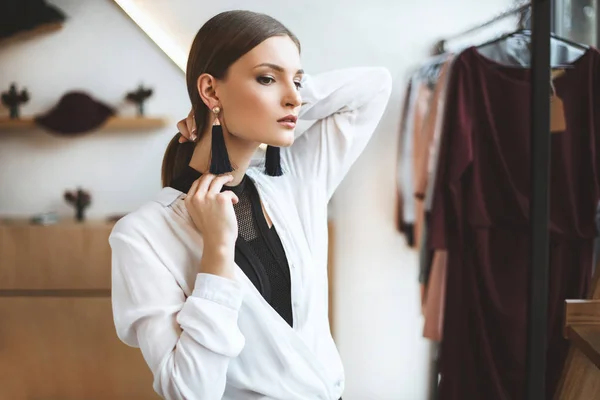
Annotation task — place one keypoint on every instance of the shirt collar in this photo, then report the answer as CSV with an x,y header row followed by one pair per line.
x,y
184,181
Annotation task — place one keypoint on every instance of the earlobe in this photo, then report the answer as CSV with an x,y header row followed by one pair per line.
x,y
206,88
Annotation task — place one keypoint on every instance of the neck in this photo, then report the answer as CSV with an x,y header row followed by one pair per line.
x,y
240,154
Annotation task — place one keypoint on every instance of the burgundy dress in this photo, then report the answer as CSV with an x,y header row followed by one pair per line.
x,y
481,216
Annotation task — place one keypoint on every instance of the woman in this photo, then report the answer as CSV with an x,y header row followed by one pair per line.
x,y
221,281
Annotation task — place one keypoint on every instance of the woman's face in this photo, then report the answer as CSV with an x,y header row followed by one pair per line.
x,y
260,89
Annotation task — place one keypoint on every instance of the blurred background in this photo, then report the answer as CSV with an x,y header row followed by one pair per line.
x,y
92,91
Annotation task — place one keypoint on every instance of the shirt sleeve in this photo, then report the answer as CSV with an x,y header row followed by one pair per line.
x,y
341,110
186,342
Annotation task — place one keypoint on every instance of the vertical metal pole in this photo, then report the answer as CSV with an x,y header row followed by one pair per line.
x,y
539,205
597,6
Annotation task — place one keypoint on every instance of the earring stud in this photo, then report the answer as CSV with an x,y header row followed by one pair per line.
x,y
216,110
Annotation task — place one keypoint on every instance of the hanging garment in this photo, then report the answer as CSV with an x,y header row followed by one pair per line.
x,y
399,172
513,51
481,216
405,175
415,113
430,264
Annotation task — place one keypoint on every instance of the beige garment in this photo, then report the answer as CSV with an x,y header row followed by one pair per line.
x,y
430,134
421,115
423,138
433,299
433,309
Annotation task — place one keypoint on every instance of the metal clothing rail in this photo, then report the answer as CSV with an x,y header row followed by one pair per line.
x,y
518,9
539,203
514,10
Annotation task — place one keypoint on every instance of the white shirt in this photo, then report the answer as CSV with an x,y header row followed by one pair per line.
x,y
206,337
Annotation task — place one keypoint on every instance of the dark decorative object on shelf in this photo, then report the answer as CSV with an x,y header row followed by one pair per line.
x,y
18,16
13,100
76,112
139,97
80,199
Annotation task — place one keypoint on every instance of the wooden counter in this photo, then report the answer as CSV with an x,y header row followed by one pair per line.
x,y
57,335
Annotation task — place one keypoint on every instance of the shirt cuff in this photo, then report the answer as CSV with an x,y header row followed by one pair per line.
x,y
224,291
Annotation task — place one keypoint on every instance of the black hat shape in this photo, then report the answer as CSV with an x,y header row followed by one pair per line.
x,y
76,112
18,16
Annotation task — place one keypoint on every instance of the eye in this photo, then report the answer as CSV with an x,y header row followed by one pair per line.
x,y
298,84
265,80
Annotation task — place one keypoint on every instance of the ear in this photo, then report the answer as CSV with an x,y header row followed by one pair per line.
x,y
206,85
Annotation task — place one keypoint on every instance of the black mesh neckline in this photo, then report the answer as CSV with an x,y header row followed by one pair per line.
x,y
184,181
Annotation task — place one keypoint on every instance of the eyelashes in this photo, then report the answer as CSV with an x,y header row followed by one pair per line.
x,y
268,80
265,80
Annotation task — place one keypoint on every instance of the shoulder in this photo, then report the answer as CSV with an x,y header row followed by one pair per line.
x,y
153,217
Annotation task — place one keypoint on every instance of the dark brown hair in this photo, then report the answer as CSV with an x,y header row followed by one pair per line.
x,y
220,42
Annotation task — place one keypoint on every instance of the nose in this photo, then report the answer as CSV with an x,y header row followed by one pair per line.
x,y
292,97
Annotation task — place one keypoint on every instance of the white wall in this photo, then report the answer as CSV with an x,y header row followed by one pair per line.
x,y
102,52
378,321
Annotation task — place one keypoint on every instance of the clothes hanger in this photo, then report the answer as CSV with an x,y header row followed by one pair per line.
x,y
527,33
524,28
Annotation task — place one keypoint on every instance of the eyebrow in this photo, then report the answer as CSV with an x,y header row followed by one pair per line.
x,y
278,68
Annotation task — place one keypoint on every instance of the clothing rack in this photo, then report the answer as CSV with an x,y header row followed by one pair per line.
x,y
440,46
539,204
540,19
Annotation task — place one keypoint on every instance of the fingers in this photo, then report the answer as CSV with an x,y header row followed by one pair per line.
x,y
217,183
229,196
187,128
185,134
193,188
204,185
190,122
212,185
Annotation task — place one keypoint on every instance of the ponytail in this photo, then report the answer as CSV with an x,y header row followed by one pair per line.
x,y
176,158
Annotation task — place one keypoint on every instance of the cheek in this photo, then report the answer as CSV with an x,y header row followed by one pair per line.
x,y
260,101
251,111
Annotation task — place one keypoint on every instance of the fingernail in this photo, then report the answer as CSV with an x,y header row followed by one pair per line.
x,y
193,137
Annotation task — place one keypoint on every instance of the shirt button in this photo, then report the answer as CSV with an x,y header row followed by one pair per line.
x,y
295,304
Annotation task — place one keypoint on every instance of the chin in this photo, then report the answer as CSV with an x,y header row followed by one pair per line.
x,y
282,140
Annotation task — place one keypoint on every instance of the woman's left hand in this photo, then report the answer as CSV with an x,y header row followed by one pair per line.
x,y
187,128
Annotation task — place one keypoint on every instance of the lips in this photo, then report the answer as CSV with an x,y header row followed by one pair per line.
x,y
288,118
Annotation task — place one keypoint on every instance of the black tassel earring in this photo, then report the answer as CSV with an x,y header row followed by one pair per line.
x,y
273,161
219,159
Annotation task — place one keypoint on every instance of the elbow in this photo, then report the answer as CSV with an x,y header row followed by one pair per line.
x,y
376,89
180,376
382,81
378,92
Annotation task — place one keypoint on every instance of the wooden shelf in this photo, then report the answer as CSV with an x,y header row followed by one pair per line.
x,y
586,338
38,31
112,124
580,378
